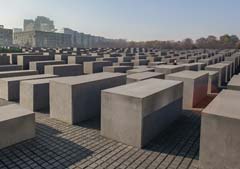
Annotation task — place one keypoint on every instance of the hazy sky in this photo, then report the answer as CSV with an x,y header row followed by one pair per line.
x,y
131,19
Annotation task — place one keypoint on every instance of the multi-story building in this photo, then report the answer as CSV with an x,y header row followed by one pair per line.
x,y
6,36
42,39
90,41
41,23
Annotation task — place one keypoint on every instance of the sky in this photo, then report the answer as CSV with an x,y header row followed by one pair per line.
x,y
138,20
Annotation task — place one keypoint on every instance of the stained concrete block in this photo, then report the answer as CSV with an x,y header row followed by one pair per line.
x,y
234,83
39,65
195,86
10,68
222,69
191,66
9,87
140,70
212,81
34,94
5,74
64,69
16,125
118,69
24,60
206,61
111,59
152,64
62,57
168,69
76,99
144,76
135,113
220,125
123,64
95,66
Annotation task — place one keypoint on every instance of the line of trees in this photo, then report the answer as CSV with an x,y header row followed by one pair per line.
x,y
223,42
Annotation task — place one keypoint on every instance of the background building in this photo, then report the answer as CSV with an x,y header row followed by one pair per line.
x,y
41,23
6,36
42,39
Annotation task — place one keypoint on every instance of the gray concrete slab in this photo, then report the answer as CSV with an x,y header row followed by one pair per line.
x,y
195,86
212,81
39,65
219,141
95,66
24,60
135,113
144,76
168,69
140,70
64,69
5,74
222,69
16,125
10,68
10,87
234,83
117,69
76,99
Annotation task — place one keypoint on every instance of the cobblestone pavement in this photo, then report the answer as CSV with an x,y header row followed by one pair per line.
x,y
59,145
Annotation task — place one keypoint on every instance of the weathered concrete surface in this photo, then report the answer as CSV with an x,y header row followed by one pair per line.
x,y
5,74
195,86
64,69
16,125
9,87
135,113
144,76
81,59
222,69
76,99
219,141
39,65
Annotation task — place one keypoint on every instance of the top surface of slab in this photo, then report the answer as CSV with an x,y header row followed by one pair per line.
x,y
141,69
143,88
40,81
235,81
12,111
188,74
169,66
63,65
48,61
144,75
17,71
87,78
210,72
217,66
27,77
225,104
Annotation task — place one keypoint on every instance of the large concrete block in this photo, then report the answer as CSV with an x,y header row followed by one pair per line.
x,y
10,67
39,65
24,60
17,73
123,64
95,66
234,83
16,125
117,69
191,66
9,87
135,113
222,69
195,86
64,69
75,99
212,81
168,69
220,125
144,76
138,62
34,94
